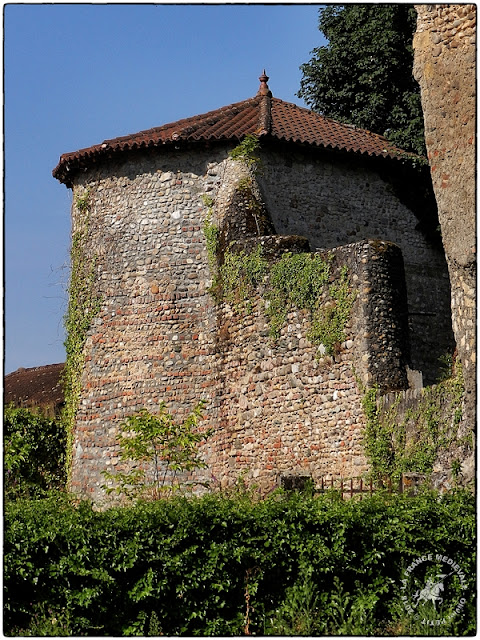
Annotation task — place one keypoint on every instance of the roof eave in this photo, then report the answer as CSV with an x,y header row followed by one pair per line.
x,y
71,164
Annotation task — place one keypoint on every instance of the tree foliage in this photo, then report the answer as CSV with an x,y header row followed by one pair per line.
x,y
159,443
363,76
34,453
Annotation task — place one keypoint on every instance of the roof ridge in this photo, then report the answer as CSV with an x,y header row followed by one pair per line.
x,y
265,111
265,116
261,115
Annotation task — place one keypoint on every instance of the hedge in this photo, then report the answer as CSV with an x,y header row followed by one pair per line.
x,y
287,565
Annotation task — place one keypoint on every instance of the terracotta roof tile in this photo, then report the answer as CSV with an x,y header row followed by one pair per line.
x,y
292,123
262,115
39,387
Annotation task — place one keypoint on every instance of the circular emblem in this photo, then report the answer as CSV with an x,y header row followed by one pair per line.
x,y
433,589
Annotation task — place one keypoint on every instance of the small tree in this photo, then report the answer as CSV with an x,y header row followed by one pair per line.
x,y
160,449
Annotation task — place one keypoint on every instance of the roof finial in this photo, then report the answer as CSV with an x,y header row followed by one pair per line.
x,y
263,89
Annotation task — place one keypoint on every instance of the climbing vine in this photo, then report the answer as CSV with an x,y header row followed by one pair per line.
x,y
329,320
295,281
240,274
83,306
302,281
433,426
246,151
379,436
211,233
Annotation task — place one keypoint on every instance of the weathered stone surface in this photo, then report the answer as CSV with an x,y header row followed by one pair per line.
x,y
447,75
332,203
277,408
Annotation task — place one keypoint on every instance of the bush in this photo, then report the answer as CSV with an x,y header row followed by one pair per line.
x,y
34,454
231,566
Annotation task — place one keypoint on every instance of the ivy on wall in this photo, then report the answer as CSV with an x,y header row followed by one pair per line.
x,y
83,306
396,445
295,281
246,151
240,275
299,281
211,233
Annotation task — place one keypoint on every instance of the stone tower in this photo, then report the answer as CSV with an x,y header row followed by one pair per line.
x,y
445,68
145,328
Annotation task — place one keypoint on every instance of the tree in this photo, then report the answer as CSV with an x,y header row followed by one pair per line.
x,y
159,449
364,74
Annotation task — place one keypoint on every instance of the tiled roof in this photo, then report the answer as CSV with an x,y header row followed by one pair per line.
x,y
294,124
262,115
39,387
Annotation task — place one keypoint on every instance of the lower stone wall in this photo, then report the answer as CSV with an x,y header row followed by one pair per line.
x,y
276,407
283,408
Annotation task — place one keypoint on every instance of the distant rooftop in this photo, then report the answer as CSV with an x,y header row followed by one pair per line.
x,y
36,387
263,115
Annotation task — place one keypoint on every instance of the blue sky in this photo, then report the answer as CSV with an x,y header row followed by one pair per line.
x,y
76,74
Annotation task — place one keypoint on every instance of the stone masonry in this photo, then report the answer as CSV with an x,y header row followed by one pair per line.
x,y
445,67
333,203
284,410
276,407
159,335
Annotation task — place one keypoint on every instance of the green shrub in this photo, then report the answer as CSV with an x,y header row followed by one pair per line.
x,y
169,448
227,566
246,151
34,453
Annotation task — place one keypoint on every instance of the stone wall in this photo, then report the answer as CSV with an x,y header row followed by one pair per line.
x,y
159,336
283,408
332,203
445,67
154,338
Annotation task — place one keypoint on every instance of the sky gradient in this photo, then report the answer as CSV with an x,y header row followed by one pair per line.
x,y
76,75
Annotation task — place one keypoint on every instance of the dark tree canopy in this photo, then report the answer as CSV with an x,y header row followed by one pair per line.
x,y
364,75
